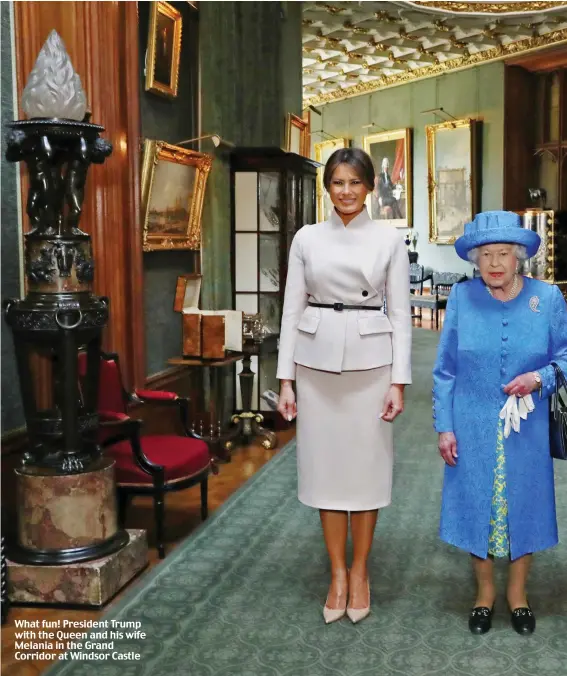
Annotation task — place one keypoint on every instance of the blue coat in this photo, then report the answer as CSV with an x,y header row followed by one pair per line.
x,y
485,344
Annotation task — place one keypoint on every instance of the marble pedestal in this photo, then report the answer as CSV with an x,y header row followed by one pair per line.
x,y
91,583
66,518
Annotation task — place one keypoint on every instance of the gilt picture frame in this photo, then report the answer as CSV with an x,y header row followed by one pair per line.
x,y
164,49
297,135
391,201
323,152
173,181
453,177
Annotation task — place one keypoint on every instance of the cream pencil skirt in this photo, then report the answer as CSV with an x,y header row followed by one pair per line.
x,y
344,450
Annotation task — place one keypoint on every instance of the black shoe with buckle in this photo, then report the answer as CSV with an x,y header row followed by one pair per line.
x,y
480,620
523,621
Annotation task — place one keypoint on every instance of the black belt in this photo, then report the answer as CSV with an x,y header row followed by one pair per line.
x,y
339,307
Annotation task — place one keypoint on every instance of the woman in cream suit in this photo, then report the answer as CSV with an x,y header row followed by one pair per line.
x,y
350,362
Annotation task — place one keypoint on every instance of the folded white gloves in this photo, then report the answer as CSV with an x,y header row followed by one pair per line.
x,y
514,409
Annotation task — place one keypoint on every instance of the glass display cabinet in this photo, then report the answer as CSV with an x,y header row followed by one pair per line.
x,y
273,195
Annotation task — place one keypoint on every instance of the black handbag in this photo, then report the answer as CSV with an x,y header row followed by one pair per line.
x,y
558,418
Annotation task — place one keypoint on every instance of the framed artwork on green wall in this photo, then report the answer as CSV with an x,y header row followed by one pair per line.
x,y
391,199
173,188
296,135
453,177
164,49
323,151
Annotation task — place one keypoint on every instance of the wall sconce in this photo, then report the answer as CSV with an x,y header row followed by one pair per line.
x,y
373,125
215,138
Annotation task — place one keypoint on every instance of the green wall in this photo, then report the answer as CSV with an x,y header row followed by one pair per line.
x,y
170,120
247,57
477,92
250,78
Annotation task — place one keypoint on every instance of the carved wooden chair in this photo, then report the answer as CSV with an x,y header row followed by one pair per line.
x,y
418,276
441,285
147,464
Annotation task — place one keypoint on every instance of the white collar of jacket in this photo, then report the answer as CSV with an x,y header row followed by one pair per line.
x,y
362,219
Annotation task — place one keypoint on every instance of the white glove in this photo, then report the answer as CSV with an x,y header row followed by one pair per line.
x,y
513,410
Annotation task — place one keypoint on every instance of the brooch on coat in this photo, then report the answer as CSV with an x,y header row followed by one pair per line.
x,y
534,303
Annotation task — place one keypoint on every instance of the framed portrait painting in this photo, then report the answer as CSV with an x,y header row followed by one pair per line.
x,y
173,187
323,152
452,177
164,49
391,199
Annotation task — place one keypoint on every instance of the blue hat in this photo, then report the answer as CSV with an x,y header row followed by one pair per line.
x,y
491,227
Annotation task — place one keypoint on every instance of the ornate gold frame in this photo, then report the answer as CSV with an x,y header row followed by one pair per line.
x,y
152,85
331,144
394,135
301,124
160,151
430,132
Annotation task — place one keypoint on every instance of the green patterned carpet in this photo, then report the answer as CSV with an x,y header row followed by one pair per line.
x,y
243,595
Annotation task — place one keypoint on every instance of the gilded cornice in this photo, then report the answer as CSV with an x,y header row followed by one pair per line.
x,y
490,7
459,63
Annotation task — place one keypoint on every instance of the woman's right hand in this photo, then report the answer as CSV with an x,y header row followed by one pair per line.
x,y
286,405
448,448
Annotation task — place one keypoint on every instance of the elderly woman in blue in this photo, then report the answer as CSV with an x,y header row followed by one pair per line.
x,y
500,335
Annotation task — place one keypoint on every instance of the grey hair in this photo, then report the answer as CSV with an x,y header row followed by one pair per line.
x,y
520,252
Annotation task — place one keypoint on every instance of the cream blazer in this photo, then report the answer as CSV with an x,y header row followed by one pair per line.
x,y
359,264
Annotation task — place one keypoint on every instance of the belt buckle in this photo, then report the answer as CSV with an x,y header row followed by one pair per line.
x,y
338,307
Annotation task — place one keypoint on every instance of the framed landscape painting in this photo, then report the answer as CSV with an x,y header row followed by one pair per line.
x,y
391,199
452,178
173,188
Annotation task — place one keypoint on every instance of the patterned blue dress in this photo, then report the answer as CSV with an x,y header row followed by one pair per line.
x,y
499,535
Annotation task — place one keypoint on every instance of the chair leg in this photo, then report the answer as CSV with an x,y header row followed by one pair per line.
x,y
123,502
159,508
204,498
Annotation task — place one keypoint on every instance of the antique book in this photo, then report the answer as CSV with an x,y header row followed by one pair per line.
x,y
196,337
192,335
187,292
212,336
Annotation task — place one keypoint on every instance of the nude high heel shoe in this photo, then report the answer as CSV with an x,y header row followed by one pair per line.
x,y
358,614
333,614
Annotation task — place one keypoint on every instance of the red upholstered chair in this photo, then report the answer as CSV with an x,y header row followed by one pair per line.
x,y
147,464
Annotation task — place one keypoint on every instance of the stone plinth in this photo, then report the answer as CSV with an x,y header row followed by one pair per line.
x,y
62,512
92,583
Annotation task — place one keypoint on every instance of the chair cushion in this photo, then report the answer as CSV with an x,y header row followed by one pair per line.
x,y
181,456
423,301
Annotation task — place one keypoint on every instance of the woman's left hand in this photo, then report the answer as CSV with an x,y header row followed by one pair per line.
x,y
522,385
393,403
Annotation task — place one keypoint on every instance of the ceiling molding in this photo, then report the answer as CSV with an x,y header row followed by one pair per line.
x,y
488,7
351,49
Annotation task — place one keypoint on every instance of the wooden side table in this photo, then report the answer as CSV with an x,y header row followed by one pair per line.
x,y
249,423
213,367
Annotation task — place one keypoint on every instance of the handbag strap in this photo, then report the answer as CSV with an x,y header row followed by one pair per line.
x,y
560,382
